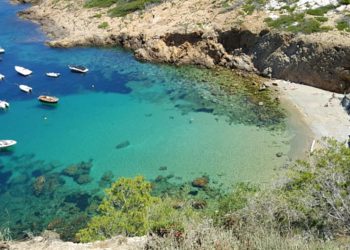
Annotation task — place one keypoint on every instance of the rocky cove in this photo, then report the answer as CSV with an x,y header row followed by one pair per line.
x,y
314,60
320,59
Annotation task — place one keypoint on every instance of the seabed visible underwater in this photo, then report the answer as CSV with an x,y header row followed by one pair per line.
x,y
123,118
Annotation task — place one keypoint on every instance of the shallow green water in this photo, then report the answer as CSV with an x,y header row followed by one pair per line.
x,y
123,118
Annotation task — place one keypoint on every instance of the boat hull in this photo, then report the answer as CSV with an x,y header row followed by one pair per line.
x,y
76,69
23,71
48,99
25,88
4,105
7,143
53,75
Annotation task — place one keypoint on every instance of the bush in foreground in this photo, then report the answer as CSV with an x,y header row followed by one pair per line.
x,y
124,210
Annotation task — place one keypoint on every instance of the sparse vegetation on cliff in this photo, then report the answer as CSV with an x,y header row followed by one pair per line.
x,y
122,8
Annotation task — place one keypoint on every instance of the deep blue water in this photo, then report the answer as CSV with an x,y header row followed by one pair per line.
x,y
123,118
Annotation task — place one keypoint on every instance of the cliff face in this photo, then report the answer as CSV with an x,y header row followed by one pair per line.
x,y
200,32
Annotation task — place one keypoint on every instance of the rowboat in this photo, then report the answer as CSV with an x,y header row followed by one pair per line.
x,y
2,50
25,88
7,143
4,105
53,74
2,77
78,68
48,99
23,71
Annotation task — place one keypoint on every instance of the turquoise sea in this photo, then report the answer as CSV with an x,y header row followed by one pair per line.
x,y
123,118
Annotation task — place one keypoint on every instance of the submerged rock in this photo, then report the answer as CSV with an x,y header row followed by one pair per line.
x,y
79,172
81,200
163,168
38,185
160,178
106,179
200,182
123,144
83,179
71,171
193,192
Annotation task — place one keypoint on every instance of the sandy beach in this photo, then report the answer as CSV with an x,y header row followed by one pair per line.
x,y
321,110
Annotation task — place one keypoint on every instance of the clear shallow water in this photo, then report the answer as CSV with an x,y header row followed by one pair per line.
x,y
156,114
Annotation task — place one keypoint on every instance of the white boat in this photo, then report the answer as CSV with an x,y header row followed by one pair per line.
x,y
25,88
4,105
2,50
2,77
78,68
7,143
53,74
23,71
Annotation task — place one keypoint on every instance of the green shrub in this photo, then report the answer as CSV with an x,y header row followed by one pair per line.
x,y
100,3
314,199
251,5
96,16
285,21
343,25
235,200
123,7
103,25
321,10
170,216
296,23
321,19
124,210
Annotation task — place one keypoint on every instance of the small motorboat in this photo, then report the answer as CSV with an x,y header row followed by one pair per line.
x,y
7,143
23,71
2,50
78,68
25,88
2,77
53,74
4,105
48,99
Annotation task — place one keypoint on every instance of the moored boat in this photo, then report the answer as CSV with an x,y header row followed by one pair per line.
x,y
23,71
2,77
4,105
25,88
53,74
2,50
78,68
48,99
7,143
